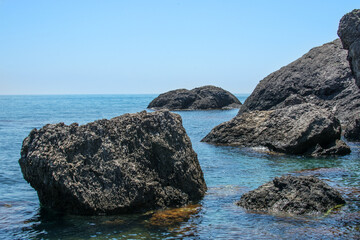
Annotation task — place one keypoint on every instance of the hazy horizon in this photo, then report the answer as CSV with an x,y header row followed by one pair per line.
x,y
150,47
70,94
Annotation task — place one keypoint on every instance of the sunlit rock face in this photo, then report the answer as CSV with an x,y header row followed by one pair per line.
x,y
322,77
130,163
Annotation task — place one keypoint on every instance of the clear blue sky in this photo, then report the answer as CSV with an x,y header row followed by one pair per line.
x,y
151,46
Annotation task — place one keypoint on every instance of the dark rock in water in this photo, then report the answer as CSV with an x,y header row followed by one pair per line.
x,y
349,32
303,195
322,77
304,129
352,131
130,163
202,98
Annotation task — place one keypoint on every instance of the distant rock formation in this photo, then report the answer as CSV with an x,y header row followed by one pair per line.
x,y
202,98
349,33
322,77
129,163
303,195
303,129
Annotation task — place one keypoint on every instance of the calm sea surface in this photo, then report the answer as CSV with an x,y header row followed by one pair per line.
x,y
229,172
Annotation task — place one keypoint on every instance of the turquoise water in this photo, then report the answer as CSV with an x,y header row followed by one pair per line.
x,y
229,172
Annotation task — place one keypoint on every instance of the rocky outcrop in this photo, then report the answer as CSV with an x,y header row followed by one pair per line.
x,y
202,98
322,77
349,33
352,131
303,195
349,28
130,163
303,129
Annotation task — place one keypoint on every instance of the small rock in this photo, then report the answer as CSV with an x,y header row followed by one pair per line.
x,y
303,195
202,98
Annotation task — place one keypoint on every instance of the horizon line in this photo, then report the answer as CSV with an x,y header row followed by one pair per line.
x,y
74,94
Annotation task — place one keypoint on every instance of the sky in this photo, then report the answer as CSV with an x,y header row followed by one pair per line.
x,y
153,46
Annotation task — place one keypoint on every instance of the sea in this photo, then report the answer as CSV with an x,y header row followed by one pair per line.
x,y
229,172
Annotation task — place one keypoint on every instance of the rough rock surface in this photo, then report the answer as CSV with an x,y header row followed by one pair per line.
x,y
349,33
322,77
203,98
303,195
352,131
349,28
303,129
130,163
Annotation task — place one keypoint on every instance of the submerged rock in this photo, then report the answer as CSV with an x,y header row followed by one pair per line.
x,y
303,129
349,33
130,163
170,217
294,195
202,98
322,77
352,131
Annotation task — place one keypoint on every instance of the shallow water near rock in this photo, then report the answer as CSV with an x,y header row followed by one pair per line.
x,y
229,173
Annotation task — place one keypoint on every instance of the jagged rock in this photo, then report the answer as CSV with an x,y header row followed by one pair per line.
x,y
303,195
349,33
130,163
349,28
352,131
322,77
203,98
303,129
